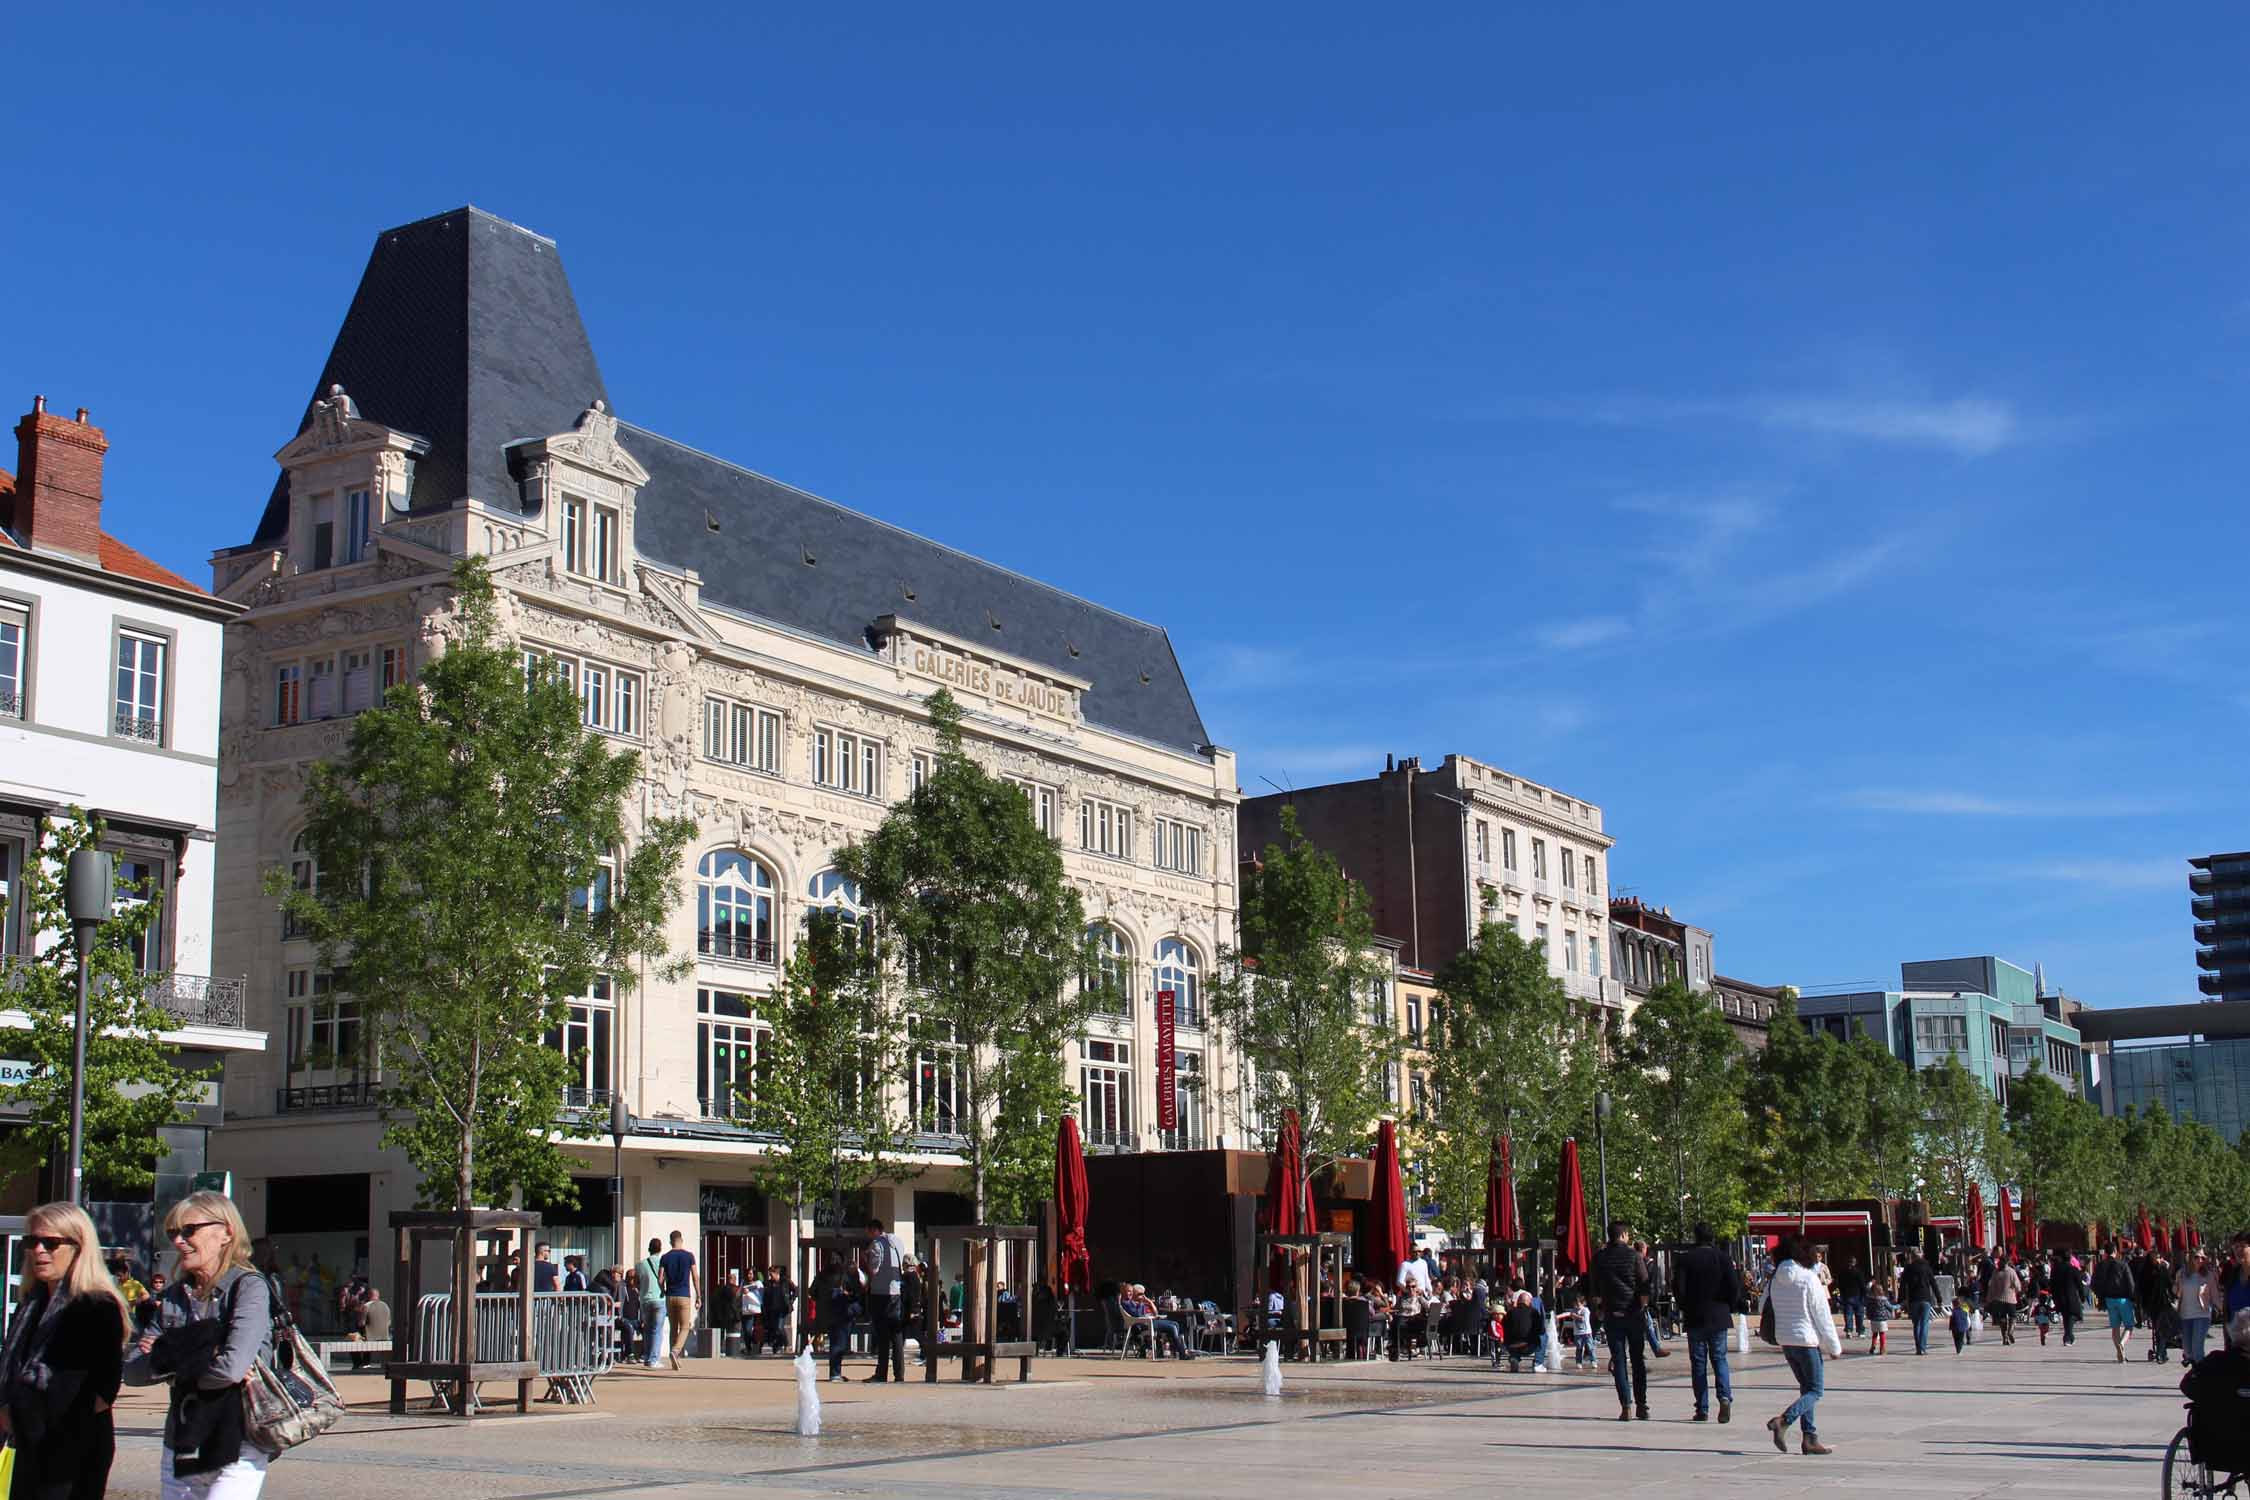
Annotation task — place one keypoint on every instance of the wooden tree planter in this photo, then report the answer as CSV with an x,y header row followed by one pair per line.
x,y
458,1368
992,1248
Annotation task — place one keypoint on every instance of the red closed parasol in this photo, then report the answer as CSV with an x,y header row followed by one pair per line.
x,y
1073,1264
1574,1250
2007,1220
2142,1234
1387,1246
1501,1225
2030,1221
1975,1227
1282,1210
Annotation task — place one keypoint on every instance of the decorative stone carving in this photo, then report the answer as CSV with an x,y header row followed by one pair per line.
x,y
332,418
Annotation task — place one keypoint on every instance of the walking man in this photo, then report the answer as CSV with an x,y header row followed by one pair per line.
x,y
2113,1284
1805,1330
886,1302
1917,1288
679,1294
1851,1285
1709,1291
1620,1279
650,1274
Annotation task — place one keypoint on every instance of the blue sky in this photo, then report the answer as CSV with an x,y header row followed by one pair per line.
x,y
1816,439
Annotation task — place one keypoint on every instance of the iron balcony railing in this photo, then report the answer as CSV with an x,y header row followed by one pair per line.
x,y
356,1093
1097,1138
734,947
11,703
202,999
134,727
579,1100
1184,1140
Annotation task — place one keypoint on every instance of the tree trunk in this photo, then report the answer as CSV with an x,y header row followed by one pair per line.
x,y
464,1273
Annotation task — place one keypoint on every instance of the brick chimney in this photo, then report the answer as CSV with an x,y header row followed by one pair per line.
x,y
59,483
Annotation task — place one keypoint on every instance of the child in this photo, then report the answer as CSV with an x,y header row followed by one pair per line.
x,y
1579,1324
1879,1311
1959,1322
2043,1313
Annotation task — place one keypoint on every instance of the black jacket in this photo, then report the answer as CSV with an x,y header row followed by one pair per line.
x,y
1521,1328
1709,1289
63,1445
2112,1279
1620,1278
1917,1283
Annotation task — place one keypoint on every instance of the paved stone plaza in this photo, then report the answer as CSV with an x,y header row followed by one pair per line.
x,y
2022,1421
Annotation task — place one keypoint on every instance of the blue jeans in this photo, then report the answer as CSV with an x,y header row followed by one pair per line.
x,y
1805,1365
1855,1315
2192,1333
652,1334
1628,1334
1655,1333
1711,1349
1921,1315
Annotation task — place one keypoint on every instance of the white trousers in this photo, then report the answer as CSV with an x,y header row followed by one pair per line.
x,y
240,1480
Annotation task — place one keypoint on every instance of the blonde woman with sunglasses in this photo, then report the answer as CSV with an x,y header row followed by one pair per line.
x,y
61,1365
211,1326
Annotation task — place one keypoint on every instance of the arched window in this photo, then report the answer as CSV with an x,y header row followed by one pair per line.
x,y
1181,972
834,891
734,908
1106,967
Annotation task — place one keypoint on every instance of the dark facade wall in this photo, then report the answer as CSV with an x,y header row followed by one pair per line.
x,y
1365,826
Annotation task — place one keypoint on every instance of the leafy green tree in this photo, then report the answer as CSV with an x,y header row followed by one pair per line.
x,y
2055,1141
971,911
1681,1085
1964,1140
1884,1164
1499,1037
826,1071
1805,1112
1293,1000
134,1084
463,837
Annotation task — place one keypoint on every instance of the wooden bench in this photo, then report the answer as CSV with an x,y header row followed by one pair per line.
x,y
326,1350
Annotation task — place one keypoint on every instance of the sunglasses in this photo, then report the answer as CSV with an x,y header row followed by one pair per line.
x,y
190,1231
50,1242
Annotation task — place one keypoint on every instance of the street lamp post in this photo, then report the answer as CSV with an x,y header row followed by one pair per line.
x,y
1602,1107
620,1126
86,889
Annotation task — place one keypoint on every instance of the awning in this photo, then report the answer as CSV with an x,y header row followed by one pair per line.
x,y
1855,1220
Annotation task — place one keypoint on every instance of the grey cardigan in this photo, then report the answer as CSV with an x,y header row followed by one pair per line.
x,y
249,1335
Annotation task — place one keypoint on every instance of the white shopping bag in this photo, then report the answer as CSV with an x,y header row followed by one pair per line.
x,y
1550,1354
1742,1333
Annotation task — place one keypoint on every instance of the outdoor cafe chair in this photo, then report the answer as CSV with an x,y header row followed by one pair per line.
x,y
1358,1327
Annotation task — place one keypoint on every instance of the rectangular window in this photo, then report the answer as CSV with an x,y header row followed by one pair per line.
x,y
140,687
394,667
939,1079
602,563
320,688
1105,1092
1569,872
726,1057
1105,828
359,681
323,532
355,526
1594,954
574,535
15,660
1179,846
628,714
1541,937
741,734
1414,1018
1592,888
593,692
1539,859
288,693
11,895
924,768
1569,951
1187,1094
610,697
1508,848
1042,801
1484,842
848,762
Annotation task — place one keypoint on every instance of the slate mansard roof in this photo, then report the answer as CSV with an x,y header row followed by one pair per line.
x,y
464,332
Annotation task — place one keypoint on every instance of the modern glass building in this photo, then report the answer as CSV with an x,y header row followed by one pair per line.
x,y
2193,1080
1984,1010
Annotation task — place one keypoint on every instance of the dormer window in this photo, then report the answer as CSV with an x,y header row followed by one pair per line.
x,y
356,519
589,539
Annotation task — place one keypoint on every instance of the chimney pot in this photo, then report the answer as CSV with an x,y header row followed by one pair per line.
x,y
38,404
59,483
81,416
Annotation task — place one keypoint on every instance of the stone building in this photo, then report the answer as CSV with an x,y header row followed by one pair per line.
x,y
767,652
1439,852
109,671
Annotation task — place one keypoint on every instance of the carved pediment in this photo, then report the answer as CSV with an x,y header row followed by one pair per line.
x,y
593,445
337,427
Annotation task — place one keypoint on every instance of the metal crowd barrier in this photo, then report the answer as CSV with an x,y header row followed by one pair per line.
x,y
573,1338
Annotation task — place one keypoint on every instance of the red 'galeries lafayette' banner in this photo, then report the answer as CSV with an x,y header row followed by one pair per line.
x,y
1167,1092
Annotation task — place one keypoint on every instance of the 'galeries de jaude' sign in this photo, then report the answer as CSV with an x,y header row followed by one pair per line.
x,y
1002,681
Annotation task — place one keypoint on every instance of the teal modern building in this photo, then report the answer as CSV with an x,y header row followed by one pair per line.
x,y
1984,1011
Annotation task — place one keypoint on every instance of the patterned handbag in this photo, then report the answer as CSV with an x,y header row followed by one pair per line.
x,y
287,1398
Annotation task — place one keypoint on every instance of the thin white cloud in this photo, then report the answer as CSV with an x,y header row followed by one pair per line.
x,y
1972,426
1953,804
1578,635
2111,874
1292,764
